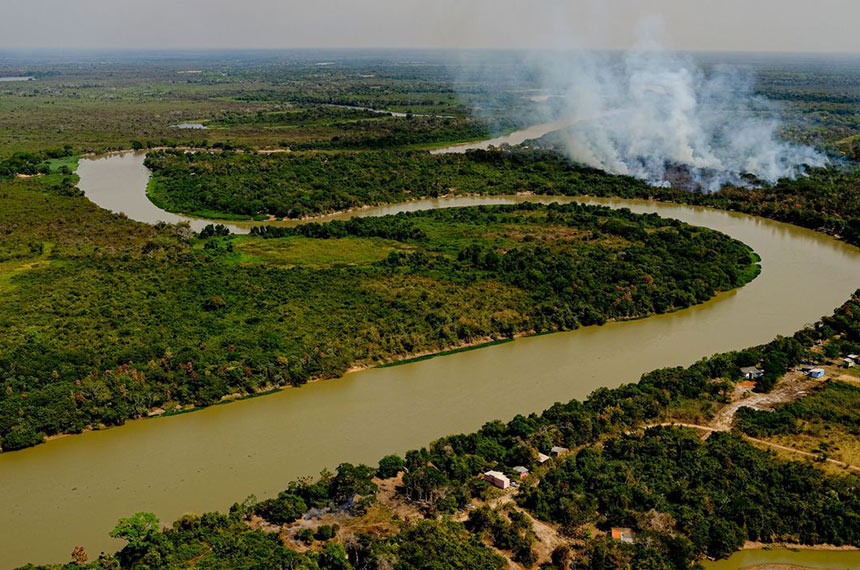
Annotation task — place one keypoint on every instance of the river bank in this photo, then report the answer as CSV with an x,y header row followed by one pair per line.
x,y
755,556
223,452
733,267
253,446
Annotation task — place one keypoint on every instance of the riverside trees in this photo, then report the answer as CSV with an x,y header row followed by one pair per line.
x,y
179,323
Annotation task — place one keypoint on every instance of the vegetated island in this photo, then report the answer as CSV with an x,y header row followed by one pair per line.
x,y
136,318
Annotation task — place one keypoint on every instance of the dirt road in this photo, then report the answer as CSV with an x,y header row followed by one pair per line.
x,y
791,388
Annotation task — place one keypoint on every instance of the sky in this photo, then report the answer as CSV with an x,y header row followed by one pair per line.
x,y
709,25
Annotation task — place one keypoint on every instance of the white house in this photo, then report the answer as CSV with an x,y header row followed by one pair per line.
x,y
752,372
498,479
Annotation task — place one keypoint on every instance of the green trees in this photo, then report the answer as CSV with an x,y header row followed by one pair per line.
x,y
19,437
330,490
333,557
212,230
28,163
443,546
181,323
718,494
298,184
351,480
283,509
389,466
509,530
136,530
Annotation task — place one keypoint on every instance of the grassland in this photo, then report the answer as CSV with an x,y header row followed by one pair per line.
x,y
825,423
316,254
97,107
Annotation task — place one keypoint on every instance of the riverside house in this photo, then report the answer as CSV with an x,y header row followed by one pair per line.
x,y
498,479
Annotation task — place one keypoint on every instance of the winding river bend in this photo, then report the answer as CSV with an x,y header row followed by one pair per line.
x,y
72,490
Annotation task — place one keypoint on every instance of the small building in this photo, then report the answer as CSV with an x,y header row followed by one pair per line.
x,y
557,451
542,458
622,534
498,479
752,372
847,363
521,471
816,373
854,357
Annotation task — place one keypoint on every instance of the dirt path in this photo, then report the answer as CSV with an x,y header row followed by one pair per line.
x,y
791,388
548,537
757,441
804,453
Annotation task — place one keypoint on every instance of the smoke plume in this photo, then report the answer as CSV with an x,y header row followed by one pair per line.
x,y
650,111
657,115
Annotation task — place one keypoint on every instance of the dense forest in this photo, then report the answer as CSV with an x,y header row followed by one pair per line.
x,y
107,330
299,184
682,498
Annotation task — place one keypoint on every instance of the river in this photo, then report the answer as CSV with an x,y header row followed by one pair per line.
x,y
72,490
770,558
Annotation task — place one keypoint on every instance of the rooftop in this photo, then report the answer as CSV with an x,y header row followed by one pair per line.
x,y
497,474
622,534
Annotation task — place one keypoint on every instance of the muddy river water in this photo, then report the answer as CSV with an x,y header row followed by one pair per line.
x,y
72,490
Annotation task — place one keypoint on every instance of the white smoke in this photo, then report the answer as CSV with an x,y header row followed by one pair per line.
x,y
650,110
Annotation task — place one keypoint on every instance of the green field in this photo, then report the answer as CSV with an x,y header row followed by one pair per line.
x,y
317,254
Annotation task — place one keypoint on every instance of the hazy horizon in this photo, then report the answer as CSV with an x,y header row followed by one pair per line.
x,y
781,26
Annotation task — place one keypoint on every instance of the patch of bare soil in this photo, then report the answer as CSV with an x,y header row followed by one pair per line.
x,y
548,537
791,388
387,495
